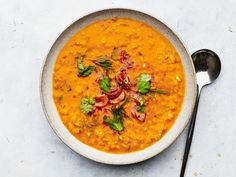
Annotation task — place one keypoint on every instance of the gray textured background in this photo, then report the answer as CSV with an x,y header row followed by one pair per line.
x,y
30,148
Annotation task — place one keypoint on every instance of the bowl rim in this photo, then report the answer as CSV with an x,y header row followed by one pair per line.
x,y
106,161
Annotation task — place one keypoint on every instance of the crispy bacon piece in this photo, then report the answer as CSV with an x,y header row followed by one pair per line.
x,y
138,115
137,97
118,99
129,64
125,59
114,93
124,56
101,100
123,79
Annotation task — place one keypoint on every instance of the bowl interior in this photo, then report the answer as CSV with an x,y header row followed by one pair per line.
x,y
87,151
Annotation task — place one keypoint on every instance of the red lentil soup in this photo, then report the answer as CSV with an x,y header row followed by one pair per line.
x,y
118,85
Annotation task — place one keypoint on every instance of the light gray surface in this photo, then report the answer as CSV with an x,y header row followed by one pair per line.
x,y
27,144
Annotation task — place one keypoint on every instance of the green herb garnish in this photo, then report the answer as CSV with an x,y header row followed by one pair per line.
x,y
144,77
116,122
145,87
103,62
141,106
86,105
142,102
83,71
59,97
87,71
159,91
144,83
91,100
105,84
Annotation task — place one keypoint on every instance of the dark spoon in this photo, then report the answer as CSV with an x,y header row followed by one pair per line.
x,y
207,66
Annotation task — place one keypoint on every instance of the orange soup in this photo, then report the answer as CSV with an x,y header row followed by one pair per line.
x,y
118,85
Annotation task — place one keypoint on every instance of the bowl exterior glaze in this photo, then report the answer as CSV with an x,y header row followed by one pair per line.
x,y
90,152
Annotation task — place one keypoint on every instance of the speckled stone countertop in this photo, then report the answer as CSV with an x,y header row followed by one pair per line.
x,y
29,147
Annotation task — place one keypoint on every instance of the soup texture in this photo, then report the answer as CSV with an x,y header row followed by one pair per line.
x,y
118,85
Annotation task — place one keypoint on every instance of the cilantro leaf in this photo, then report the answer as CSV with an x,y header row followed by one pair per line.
x,y
144,83
103,62
105,84
143,87
86,105
87,71
142,102
91,101
79,63
144,77
141,108
114,123
83,71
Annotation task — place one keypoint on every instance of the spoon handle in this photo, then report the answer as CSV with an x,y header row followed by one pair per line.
x,y
189,136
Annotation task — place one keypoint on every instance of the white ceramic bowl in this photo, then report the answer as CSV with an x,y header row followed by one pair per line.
x,y
92,153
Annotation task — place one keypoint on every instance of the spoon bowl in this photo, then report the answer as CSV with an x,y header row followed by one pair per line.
x,y
207,66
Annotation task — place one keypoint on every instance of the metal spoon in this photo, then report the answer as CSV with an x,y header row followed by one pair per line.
x,y
207,66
